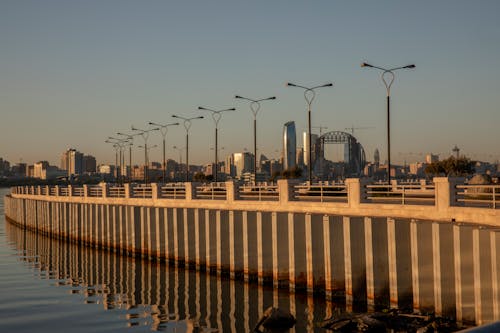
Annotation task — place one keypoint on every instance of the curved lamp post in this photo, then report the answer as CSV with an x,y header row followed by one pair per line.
x,y
120,143
387,77
117,148
309,95
187,126
254,107
179,149
163,131
145,135
129,137
216,116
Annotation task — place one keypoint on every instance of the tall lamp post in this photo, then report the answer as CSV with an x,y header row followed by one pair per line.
x,y
254,107
309,95
120,144
179,149
216,116
148,148
388,76
163,131
130,137
145,135
116,147
187,126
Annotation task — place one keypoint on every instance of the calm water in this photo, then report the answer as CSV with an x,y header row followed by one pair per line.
x,y
48,285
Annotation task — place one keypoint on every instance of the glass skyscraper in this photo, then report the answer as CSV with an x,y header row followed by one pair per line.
x,y
289,145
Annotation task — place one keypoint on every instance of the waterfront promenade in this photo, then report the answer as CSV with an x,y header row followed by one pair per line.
x,y
429,246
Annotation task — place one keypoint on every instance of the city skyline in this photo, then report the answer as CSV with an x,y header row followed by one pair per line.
x,y
75,73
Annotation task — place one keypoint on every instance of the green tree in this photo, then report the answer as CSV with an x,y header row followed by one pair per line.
x,y
451,166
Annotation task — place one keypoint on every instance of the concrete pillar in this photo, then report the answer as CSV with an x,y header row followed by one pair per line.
x,y
355,191
232,191
190,190
309,253
476,255
494,276
370,278
327,256
347,259
436,266
197,256
104,187
127,190
275,242
260,259
445,192
458,272
244,217
414,264
392,258
155,191
286,190
232,252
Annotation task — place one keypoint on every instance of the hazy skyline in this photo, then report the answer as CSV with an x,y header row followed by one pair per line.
x,y
73,73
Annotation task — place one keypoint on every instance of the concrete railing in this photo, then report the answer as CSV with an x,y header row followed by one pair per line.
x,y
459,194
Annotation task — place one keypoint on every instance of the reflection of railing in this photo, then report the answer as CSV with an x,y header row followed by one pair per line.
x,y
173,191
259,192
322,192
212,191
414,194
479,195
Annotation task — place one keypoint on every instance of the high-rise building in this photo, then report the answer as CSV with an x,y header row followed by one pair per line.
x,y
315,148
243,162
289,145
75,162
38,169
376,157
89,164
431,158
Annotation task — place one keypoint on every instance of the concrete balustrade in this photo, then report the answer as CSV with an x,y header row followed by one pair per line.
x,y
385,254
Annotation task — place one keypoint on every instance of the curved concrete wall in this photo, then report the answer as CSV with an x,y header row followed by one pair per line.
x,y
431,265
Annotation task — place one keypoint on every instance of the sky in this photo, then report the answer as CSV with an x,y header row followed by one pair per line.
x,y
73,73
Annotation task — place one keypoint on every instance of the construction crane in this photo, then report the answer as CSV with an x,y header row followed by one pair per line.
x,y
321,128
351,129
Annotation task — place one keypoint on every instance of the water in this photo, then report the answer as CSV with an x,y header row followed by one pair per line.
x,y
49,285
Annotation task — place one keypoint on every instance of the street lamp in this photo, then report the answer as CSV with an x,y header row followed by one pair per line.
x,y
116,147
309,95
187,126
179,149
148,148
388,78
254,107
216,116
145,135
120,144
129,137
163,131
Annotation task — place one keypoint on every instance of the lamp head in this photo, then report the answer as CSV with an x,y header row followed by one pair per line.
x,y
366,65
290,84
274,97
327,85
410,66
238,96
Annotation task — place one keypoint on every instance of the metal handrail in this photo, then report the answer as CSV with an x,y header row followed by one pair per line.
x,y
212,191
172,191
404,194
479,195
321,191
259,192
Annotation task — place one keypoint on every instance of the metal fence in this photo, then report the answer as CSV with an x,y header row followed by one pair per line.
x,y
479,195
212,191
412,194
259,192
321,192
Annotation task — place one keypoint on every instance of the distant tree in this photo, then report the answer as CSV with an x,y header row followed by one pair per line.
x,y
291,173
451,166
199,177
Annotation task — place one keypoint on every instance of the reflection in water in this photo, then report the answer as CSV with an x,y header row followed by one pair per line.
x,y
164,297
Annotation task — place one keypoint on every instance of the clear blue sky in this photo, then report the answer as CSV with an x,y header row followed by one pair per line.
x,y
74,72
